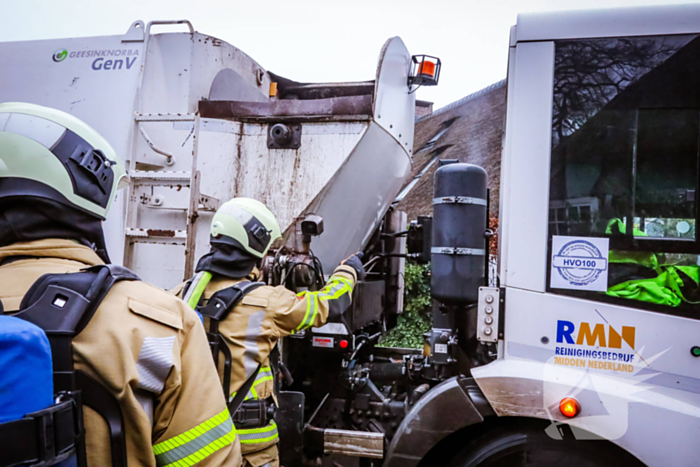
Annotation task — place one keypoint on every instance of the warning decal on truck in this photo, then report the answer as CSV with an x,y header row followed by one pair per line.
x,y
325,342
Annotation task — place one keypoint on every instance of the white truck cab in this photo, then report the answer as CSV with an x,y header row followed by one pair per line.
x,y
598,245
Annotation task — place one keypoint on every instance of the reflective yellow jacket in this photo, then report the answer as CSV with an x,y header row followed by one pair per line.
x,y
252,329
149,349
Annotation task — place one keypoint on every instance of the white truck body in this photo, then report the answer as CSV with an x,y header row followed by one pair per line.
x,y
651,406
349,168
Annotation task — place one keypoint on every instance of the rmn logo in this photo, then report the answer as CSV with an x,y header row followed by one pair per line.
x,y
566,329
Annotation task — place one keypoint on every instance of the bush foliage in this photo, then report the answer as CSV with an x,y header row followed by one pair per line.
x,y
416,317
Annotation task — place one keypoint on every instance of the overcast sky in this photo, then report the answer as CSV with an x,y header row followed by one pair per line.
x,y
316,40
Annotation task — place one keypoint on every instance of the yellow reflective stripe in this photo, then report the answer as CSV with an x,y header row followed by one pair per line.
x,y
309,306
333,294
315,312
205,452
265,429
253,394
199,283
259,435
190,434
196,444
265,374
256,431
333,290
260,440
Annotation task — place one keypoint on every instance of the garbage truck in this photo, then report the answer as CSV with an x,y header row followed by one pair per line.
x,y
580,350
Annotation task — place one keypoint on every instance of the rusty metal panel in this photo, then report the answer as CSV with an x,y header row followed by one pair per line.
x,y
289,89
235,161
350,107
343,170
354,201
354,443
181,70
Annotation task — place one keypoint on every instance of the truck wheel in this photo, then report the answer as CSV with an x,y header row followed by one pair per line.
x,y
526,444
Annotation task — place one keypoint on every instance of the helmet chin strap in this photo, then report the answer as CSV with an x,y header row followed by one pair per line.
x,y
25,219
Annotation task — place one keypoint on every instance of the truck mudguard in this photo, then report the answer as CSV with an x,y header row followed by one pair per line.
x,y
450,406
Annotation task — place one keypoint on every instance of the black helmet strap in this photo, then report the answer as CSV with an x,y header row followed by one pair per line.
x,y
90,171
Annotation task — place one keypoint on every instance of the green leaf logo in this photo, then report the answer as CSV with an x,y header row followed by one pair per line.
x,y
60,55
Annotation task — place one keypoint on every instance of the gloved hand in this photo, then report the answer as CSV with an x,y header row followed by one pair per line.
x,y
355,262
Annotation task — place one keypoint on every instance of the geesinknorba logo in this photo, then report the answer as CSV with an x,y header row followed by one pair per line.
x,y
60,55
579,262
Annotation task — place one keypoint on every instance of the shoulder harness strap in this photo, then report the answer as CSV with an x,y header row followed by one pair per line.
x,y
62,305
239,397
217,309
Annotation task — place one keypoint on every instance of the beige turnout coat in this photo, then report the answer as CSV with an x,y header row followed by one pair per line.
x,y
149,349
253,328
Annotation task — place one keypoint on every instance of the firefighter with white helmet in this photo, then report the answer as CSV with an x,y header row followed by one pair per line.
x,y
242,231
144,348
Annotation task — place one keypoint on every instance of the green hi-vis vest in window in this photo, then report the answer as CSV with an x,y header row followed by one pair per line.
x,y
642,258
647,290
674,285
685,282
637,275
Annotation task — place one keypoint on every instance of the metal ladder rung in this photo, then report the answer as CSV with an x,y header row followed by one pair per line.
x,y
184,117
167,237
186,237
157,178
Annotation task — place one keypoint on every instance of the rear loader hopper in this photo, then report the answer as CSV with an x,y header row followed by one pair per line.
x,y
198,122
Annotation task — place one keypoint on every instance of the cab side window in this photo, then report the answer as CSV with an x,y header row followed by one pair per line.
x,y
625,158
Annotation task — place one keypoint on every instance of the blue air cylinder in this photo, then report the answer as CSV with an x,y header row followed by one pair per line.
x,y
459,223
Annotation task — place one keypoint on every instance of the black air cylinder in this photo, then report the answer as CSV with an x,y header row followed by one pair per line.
x,y
459,223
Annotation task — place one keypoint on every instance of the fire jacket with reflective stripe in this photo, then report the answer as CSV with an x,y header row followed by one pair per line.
x,y
150,351
253,327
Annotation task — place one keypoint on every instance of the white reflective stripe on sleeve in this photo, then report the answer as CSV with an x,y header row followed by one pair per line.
x,y
154,363
253,331
145,400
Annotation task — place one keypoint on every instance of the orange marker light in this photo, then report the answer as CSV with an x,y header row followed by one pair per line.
x,y
569,407
427,69
273,89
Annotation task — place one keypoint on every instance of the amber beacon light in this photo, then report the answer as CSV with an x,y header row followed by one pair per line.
x,y
569,407
425,71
